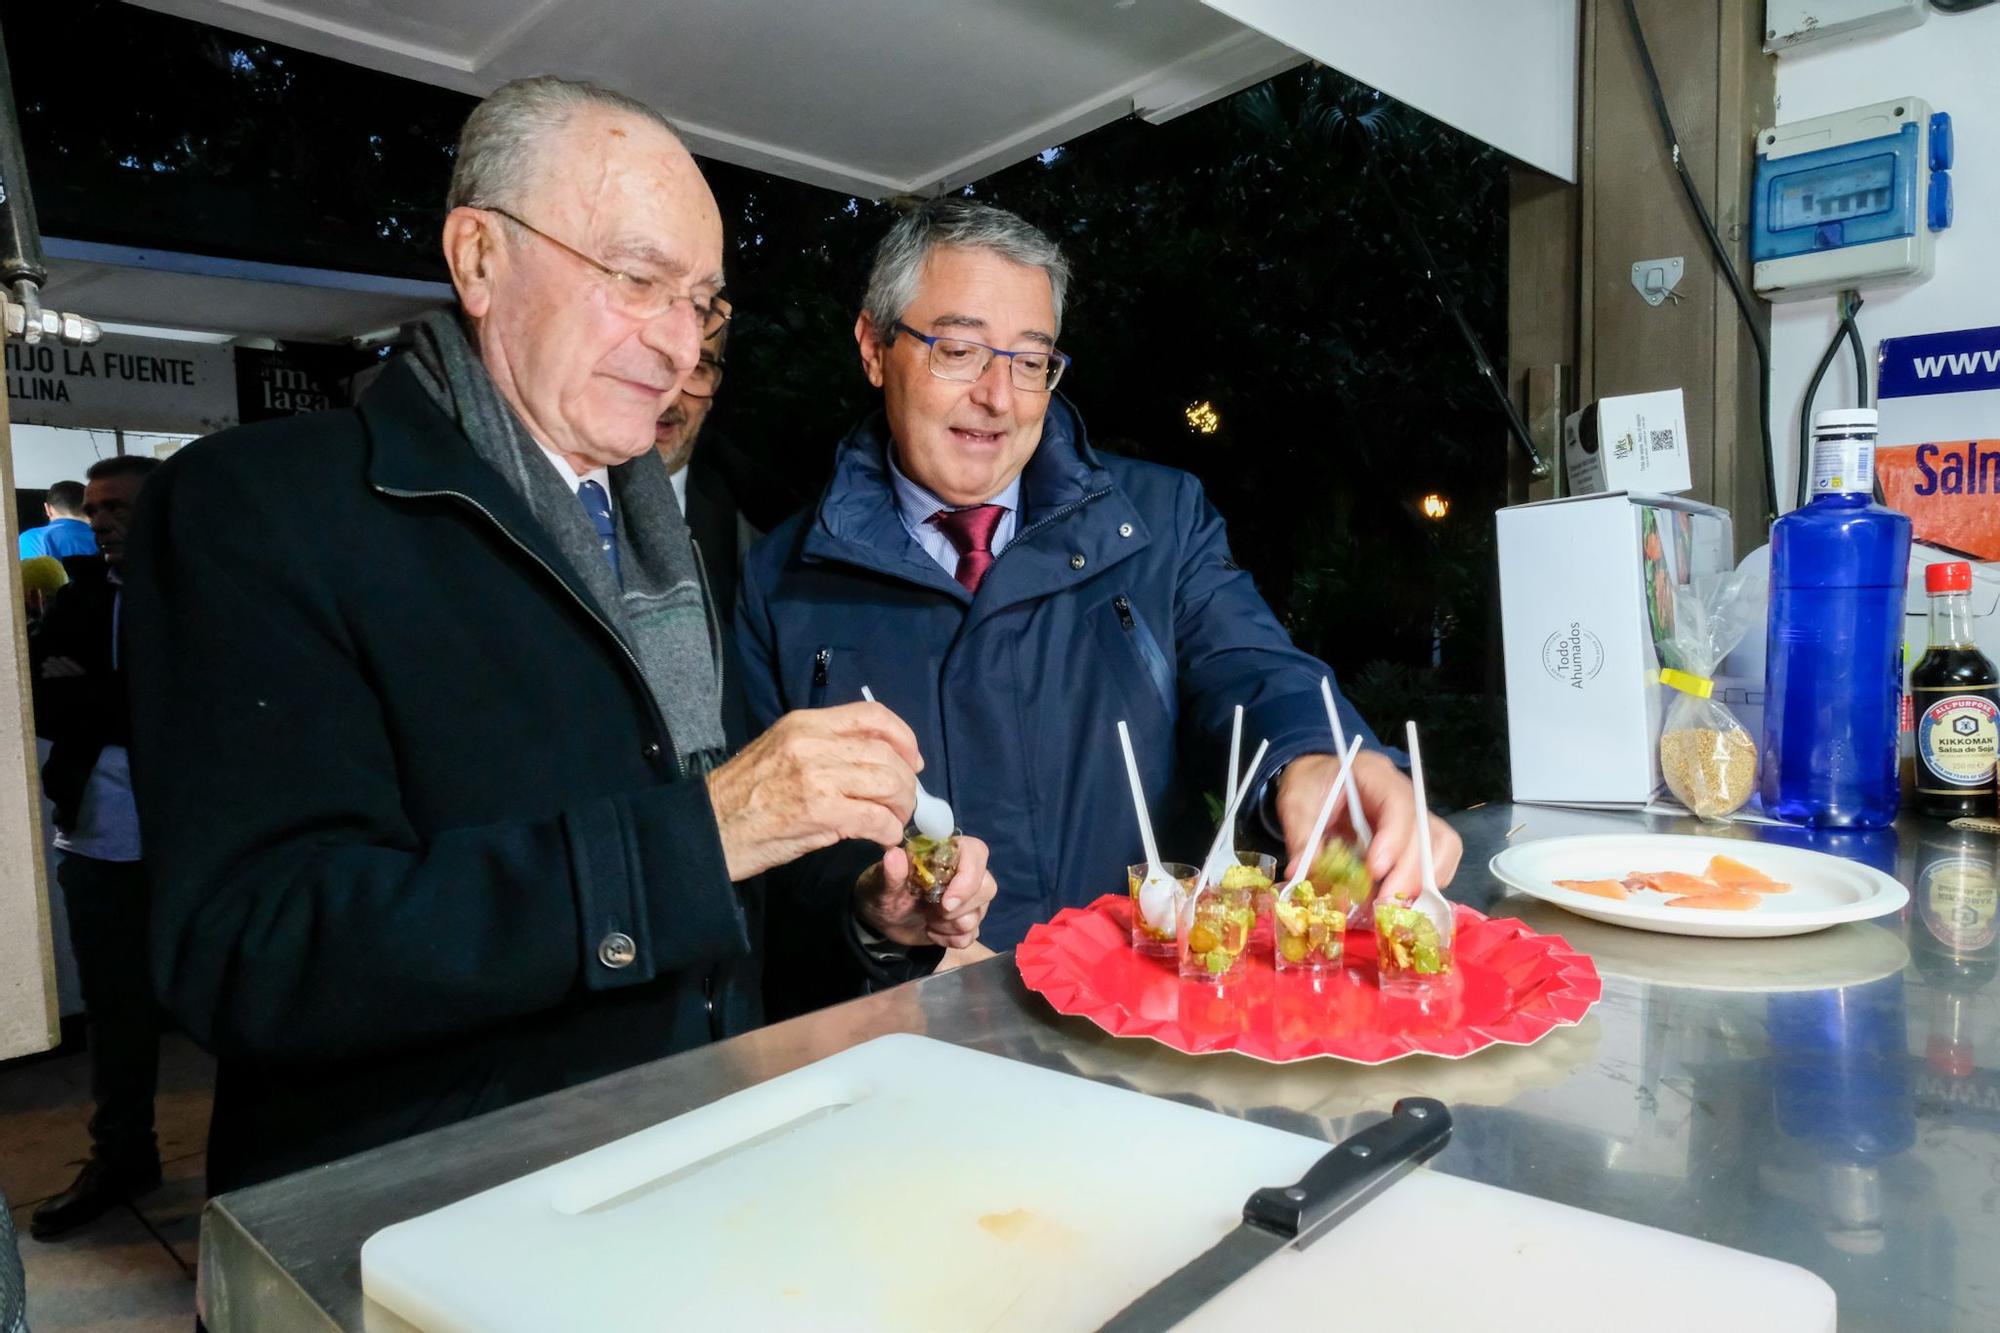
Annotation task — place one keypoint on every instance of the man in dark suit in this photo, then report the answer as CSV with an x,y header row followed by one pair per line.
x,y
720,531
80,708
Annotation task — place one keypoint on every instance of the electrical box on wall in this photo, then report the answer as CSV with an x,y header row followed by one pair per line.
x,y
1793,25
1851,200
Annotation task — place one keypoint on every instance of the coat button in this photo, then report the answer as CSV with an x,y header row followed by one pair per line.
x,y
617,950
652,750
1124,529
1076,561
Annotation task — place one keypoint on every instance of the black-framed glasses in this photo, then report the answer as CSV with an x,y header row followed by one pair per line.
x,y
637,297
965,361
704,379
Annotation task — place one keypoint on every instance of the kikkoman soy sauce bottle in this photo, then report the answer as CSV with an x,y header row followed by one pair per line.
x,y
1957,701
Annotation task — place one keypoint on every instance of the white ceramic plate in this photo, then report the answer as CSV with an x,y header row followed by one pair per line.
x,y
1826,890
1839,956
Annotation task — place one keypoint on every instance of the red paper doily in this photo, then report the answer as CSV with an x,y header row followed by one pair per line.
x,y
1511,986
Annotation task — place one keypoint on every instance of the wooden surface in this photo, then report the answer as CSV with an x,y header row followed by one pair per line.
x,y
1718,85
1542,270
1571,300
28,1020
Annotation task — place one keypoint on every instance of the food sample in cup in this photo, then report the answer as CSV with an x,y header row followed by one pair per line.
x,y
933,862
1408,944
1339,873
1253,873
1156,912
1309,928
1215,932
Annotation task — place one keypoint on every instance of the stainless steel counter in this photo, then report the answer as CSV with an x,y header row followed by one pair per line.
x,y
1821,1099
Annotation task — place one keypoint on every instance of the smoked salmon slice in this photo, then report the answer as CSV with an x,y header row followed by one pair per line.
x,y
1733,874
1603,888
1729,886
1724,900
1672,882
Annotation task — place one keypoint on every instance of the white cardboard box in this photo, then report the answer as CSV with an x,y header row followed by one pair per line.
x,y
1579,589
1633,442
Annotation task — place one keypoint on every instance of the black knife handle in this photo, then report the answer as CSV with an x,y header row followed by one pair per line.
x,y
1353,1172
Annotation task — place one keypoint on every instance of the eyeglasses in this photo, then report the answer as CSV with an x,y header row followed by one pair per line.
x,y
636,297
704,379
958,359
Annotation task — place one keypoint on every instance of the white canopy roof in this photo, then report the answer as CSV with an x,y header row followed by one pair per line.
x,y
875,97
884,97
167,289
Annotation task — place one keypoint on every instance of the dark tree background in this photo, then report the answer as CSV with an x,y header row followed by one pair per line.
x,y
1248,304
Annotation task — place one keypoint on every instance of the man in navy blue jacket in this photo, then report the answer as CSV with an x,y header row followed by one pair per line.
x,y
1013,595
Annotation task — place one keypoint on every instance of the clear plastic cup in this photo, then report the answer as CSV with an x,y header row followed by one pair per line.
x,y
1413,941
1266,866
1156,939
932,864
1308,930
1215,930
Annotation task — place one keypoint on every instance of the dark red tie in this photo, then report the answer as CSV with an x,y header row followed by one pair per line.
x,y
970,531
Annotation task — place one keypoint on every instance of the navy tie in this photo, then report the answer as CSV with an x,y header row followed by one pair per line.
x,y
597,505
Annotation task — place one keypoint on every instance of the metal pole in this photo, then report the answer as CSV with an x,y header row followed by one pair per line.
x,y
23,270
22,267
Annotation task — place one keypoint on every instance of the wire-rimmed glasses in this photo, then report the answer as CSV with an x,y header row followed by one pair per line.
x,y
637,297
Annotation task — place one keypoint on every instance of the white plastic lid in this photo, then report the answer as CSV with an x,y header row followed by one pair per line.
x,y
1841,420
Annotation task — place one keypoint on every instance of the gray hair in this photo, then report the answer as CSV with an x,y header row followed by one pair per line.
x,y
899,259
499,150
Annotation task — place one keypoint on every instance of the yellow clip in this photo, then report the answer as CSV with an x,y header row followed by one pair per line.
x,y
1700,687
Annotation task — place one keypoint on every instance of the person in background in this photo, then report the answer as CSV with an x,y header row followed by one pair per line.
x,y
13,1282
42,577
80,707
66,533
703,489
466,821
720,530
1014,595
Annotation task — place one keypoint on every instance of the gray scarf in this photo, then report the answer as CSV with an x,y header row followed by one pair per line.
x,y
661,612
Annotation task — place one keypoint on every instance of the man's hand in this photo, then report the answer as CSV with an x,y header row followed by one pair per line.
x,y
890,903
1389,802
815,778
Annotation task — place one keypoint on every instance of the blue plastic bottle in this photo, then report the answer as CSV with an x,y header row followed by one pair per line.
x,y
1833,675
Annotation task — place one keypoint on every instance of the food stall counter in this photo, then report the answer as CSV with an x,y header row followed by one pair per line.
x,y
1831,1100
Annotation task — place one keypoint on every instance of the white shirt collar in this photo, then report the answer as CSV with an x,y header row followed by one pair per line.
x,y
679,478
600,475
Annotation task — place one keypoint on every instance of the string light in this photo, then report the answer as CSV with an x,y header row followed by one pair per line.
x,y
1435,506
1202,418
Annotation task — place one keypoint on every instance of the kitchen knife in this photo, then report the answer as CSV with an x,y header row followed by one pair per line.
x,y
1352,1172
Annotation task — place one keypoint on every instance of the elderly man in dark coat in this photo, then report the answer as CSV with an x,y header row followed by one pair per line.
x,y
432,715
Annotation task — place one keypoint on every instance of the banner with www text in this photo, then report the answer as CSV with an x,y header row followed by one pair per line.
x,y
1939,460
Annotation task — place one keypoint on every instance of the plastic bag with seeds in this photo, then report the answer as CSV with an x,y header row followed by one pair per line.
x,y
1706,755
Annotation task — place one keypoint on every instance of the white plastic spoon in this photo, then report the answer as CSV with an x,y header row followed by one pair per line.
x,y
1424,858
1320,822
1222,852
1235,751
1159,892
1363,835
933,816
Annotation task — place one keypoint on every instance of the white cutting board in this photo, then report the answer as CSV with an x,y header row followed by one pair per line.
x,y
911,1184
